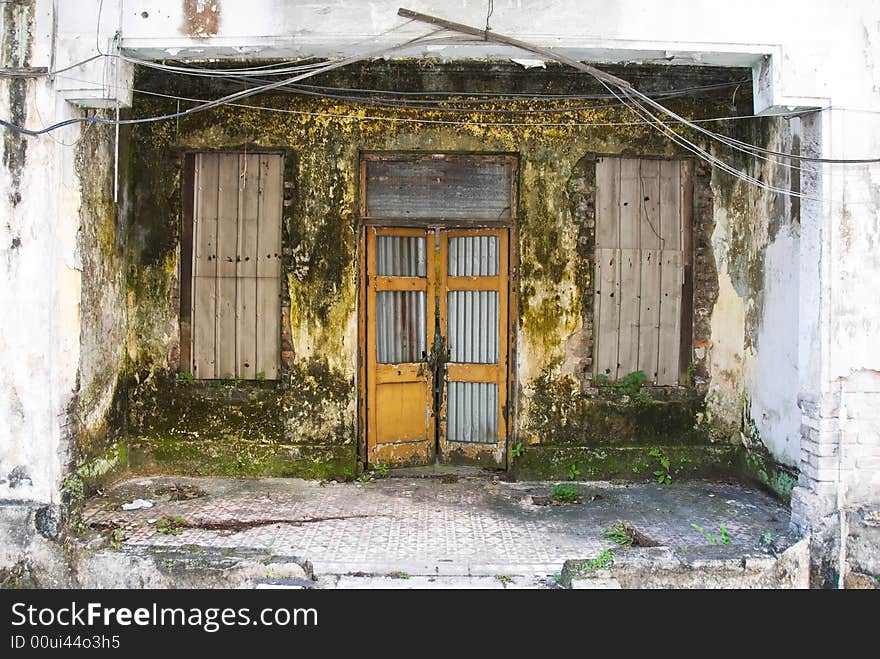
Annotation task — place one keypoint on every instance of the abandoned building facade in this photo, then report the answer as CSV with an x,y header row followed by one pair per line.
x,y
445,249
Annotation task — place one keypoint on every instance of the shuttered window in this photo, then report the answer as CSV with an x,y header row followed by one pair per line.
x,y
642,223
236,265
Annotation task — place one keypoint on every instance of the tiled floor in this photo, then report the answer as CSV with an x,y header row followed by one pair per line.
x,y
406,522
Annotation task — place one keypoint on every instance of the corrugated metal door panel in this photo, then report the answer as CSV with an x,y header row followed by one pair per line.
x,y
400,326
473,322
472,412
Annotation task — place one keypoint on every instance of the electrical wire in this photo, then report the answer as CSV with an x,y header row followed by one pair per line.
x,y
220,101
7,73
334,115
633,98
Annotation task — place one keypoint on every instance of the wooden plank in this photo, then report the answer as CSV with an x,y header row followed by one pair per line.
x,y
386,373
404,412
472,372
670,205
630,286
630,198
607,203
503,292
246,328
607,323
227,215
227,252
401,283
226,322
204,337
187,253
205,264
269,239
490,283
442,185
670,317
687,291
204,298
268,326
649,204
249,216
649,313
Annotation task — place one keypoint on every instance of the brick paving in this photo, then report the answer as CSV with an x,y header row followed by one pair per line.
x,y
474,523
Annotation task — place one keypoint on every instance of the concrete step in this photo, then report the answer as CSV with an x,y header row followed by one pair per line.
x,y
421,582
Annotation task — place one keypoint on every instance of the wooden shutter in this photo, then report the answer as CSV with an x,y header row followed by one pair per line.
x,y
236,274
641,206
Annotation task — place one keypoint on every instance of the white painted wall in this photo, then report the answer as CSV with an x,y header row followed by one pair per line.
x,y
39,293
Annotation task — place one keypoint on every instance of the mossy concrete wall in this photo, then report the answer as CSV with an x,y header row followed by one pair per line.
x,y
306,422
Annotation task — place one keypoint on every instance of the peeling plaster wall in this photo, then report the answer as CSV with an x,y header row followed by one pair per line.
x,y
753,354
63,310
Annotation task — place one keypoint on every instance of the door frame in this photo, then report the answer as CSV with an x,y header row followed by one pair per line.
x,y
511,405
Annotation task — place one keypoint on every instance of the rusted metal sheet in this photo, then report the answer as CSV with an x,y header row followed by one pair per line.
x,y
472,323
443,187
473,256
472,412
236,266
401,256
401,331
639,268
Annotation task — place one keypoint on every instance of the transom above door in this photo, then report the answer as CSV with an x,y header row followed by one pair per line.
x,y
435,323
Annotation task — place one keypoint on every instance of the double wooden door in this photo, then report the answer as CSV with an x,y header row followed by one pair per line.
x,y
436,346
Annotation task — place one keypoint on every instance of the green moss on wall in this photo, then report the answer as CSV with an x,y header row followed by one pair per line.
x,y
560,413
315,406
624,463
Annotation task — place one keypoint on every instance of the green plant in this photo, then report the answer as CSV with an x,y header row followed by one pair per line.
x,y
573,472
663,474
591,565
631,382
767,538
722,530
173,525
261,375
380,470
74,488
565,493
643,397
692,374
185,376
517,450
618,533
116,538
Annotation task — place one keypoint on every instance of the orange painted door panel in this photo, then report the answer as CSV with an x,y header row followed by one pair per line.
x,y
400,323
437,346
474,321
